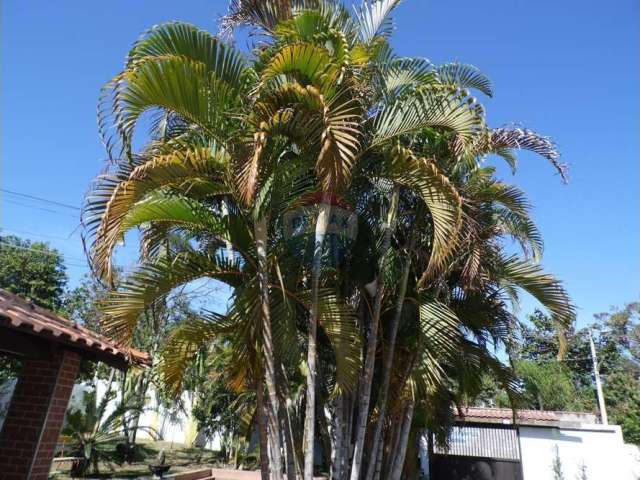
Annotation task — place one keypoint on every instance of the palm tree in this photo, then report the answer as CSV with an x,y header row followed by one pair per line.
x,y
323,110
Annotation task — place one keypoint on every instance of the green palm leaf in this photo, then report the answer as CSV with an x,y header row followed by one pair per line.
x,y
373,19
156,279
542,286
114,195
183,344
439,343
305,62
439,195
464,76
177,39
429,108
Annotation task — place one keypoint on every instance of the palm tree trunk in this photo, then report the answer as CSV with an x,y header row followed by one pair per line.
x,y
337,436
398,462
294,455
262,432
394,442
386,371
325,439
309,422
342,427
367,375
378,458
260,231
290,452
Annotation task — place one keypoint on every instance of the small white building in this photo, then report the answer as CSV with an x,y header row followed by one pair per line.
x,y
486,444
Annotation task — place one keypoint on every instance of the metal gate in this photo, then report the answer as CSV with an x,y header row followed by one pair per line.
x,y
477,452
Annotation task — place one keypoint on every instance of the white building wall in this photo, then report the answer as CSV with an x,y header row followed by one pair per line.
x,y
600,448
157,422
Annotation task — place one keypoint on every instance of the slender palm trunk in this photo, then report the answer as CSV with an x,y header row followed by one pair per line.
x,y
294,455
309,422
260,231
367,374
386,371
378,462
337,436
289,446
107,391
325,439
342,427
262,432
398,462
141,394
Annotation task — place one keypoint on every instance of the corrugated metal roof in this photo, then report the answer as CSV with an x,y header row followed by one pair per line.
x,y
26,317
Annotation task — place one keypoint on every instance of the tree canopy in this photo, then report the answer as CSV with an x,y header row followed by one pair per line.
x,y
32,270
344,195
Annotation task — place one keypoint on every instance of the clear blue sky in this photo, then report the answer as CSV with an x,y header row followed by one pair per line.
x,y
568,69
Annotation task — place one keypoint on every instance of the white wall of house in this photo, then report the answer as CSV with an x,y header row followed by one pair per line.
x,y
177,425
598,447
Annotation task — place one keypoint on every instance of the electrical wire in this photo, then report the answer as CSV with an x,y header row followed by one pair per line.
x,y
44,209
41,199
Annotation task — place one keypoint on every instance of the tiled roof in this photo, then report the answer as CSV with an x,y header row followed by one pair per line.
x,y
21,315
505,415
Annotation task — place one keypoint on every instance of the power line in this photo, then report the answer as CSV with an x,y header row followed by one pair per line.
x,y
41,199
44,209
43,235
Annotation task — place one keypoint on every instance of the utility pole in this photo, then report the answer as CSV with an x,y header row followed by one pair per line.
x,y
596,374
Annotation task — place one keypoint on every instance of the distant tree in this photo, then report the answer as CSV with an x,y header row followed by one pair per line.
x,y
81,304
617,336
569,384
32,270
548,386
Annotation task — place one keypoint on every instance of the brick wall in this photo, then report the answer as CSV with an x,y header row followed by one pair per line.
x,y
36,413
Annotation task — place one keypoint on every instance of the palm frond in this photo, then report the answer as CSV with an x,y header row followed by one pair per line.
x,y
113,196
182,345
189,88
439,343
306,62
464,76
523,230
428,108
339,323
524,139
373,19
439,195
154,280
402,74
178,39
542,286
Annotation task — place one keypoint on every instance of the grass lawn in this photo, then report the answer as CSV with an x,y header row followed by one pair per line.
x,y
181,457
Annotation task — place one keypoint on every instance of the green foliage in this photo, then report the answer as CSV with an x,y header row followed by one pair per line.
x,y
323,112
94,432
568,385
32,270
547,386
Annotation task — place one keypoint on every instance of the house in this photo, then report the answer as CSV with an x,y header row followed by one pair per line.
x,y
487,444
51,348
